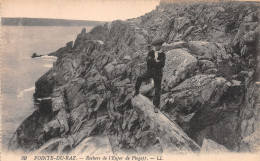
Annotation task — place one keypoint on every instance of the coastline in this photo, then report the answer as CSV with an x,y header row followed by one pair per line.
x,y
19,71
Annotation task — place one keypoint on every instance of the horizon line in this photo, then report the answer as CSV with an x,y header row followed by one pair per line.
x,y
53,19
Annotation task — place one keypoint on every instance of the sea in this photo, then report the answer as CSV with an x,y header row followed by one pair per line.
x,y
19,71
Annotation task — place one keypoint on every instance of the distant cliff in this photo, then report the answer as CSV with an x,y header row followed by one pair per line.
x,y
209,89
46,22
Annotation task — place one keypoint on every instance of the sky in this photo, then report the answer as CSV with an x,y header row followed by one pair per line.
x,y
99,10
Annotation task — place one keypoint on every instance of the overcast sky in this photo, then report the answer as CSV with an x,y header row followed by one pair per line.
x,y
100,10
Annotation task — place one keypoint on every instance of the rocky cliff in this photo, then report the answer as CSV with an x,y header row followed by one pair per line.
x,y
209,89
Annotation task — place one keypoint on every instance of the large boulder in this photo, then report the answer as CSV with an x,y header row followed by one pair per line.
x,y
199,88
208,51
178,65
182,101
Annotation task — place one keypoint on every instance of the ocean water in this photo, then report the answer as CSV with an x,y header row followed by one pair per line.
x,y
19,72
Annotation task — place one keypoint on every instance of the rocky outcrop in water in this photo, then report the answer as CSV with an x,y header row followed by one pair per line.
x,y
35,55
209,86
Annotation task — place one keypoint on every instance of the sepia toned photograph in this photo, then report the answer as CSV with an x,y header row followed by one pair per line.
x,y
130,80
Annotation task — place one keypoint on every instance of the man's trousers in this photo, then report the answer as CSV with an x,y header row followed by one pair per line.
x,y
157,78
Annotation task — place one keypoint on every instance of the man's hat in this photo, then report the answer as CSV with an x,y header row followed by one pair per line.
x,y
157,42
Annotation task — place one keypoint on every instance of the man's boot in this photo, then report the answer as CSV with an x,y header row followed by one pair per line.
x,y
156,109
136,93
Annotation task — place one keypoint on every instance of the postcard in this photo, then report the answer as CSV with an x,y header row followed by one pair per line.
x,y
130,80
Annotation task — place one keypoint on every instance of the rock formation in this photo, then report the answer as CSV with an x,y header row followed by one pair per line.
x,y
35,55
209,88
170,135
210,146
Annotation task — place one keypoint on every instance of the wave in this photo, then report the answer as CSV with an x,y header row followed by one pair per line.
x,y
47,65
45,57
48,57
20,94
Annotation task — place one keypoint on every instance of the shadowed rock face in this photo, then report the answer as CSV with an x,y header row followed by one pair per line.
x,y
170,135
208,86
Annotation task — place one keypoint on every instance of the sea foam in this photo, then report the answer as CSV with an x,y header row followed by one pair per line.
x,y
20,94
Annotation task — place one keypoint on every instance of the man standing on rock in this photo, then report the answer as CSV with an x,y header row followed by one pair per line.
x,y
155,64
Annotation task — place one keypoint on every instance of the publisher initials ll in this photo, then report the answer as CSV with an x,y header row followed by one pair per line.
x,y
159,158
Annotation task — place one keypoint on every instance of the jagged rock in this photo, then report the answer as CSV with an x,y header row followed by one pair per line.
x,y
174,45
95,101
97,145
172,138
50,147
104,60
94,79
249,37
69,45
94,145
58,103
206,64
59,52
189,96
88,128
52,127
120,83
178,65
132,120
126,59
76,63
209,51
163,32
252,142
78,114
83,31
180,29
118,70
184,121
210,146
109,68
204,84
247,127
58,126
236,83
180,22
141,133
249,18
188,31
72,91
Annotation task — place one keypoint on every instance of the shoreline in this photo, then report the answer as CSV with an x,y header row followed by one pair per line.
x,y
21,95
